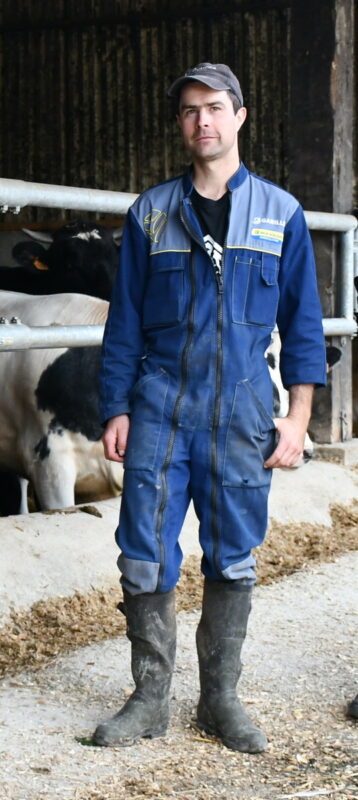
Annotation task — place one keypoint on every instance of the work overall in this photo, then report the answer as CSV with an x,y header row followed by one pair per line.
x,y
184,355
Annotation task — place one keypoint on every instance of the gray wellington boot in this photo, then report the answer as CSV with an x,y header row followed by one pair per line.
x,y
151,628
352,710
219,638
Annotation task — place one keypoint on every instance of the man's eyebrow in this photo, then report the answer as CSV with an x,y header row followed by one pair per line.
x,y
192,105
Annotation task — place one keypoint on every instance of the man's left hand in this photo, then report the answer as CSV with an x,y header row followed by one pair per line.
x,y
292,429
290,446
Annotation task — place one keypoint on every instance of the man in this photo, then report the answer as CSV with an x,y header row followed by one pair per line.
x,y
209,262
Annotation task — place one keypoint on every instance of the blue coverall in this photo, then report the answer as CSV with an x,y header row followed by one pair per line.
x,y
184,356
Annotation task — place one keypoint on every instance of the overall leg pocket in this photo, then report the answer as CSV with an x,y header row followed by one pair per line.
x,y
148,402
250,440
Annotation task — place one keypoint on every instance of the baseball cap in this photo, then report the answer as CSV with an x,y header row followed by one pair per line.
x,y
217,76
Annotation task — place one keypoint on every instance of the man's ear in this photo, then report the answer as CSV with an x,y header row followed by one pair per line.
x,y
241,115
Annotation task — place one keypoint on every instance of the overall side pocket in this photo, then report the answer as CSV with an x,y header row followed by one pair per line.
x,y
250,440
148,402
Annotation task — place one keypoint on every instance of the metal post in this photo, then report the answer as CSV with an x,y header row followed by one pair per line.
x,y
347,274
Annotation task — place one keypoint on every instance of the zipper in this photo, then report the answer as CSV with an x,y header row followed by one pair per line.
x,y
217,399
217,407
215,428
175,421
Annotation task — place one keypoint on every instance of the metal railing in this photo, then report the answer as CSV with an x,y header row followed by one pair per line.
x,y
345,225
16,194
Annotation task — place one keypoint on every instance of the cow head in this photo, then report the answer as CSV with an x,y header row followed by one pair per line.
x,y
82,255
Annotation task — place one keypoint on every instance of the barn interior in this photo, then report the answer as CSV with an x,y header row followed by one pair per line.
x,y
83,104
83,98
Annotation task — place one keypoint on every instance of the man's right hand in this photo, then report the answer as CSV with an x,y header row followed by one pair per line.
x,y
115,437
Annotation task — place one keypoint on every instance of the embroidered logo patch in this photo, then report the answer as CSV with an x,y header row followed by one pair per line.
x,y
267,235
154,224
268,221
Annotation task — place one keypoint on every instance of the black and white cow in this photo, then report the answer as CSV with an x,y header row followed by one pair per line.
x,y
49,419
81,258
280,394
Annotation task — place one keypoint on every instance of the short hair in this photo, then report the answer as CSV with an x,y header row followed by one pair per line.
x,y
235,101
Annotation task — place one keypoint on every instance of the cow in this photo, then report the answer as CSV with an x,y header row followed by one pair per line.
x,y
280,394
49,419
81,258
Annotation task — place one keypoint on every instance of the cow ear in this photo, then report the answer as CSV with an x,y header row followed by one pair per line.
x,y
26,253
333,356
117,234
39,264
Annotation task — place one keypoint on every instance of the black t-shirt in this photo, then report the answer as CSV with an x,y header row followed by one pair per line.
x,y
213,217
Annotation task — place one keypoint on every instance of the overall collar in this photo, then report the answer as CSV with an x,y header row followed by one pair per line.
x,y
233,183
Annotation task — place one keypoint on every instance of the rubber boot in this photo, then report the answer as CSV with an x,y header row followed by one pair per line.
x,y
219,638
352,710
151,628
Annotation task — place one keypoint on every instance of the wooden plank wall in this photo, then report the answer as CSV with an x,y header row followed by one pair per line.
x,y
83,87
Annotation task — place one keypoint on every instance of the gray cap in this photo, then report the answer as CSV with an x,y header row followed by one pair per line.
x,y
217,76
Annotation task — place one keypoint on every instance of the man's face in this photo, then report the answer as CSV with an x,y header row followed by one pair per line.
x,y
208,122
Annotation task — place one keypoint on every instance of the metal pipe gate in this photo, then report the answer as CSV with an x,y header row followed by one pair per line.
x,y
15,194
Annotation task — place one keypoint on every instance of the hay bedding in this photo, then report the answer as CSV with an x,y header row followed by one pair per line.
x,y
234,777
312,751
229,781
304,761
61,624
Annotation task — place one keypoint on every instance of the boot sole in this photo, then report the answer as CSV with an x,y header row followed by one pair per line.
x,y
128,742
231,744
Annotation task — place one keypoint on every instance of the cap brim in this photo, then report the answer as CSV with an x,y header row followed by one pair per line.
x,y
211,82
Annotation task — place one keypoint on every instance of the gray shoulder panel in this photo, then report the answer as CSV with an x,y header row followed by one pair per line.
x,y
157,214
260,213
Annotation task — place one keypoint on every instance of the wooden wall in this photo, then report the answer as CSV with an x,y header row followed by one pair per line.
x,y
83,86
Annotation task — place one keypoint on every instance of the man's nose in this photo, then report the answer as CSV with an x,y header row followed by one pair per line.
x,y
202,118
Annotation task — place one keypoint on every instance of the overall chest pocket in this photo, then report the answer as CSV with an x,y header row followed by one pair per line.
x,y
255,291
164,296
